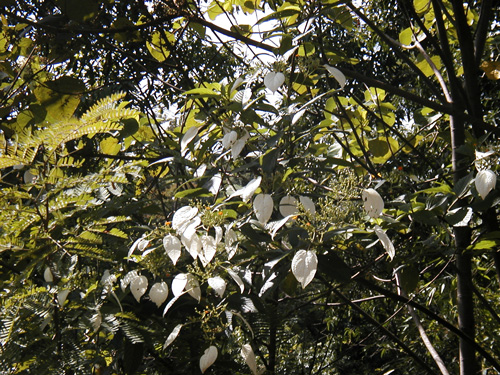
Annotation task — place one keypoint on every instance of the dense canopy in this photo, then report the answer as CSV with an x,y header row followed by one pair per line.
x,y
235,187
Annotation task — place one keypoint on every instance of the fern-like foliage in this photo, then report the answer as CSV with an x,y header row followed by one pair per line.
x,y
103,117
63,221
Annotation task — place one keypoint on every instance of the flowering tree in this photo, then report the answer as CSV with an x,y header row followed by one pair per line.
x,y
330,208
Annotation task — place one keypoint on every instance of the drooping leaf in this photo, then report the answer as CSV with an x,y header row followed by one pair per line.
x,y
337,74
209,247
386,241
193,287
159,293
218,284
138,287
172,336
304,266
178,284
208,358
373,202
485,182
263,207
249,358
172,246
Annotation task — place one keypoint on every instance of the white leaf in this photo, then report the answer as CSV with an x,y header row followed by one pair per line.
x,y
193,244
231,242
274,226
200,171
218,284
96,320
304,265
209,249
288,206
29,178
296,117
173,335
273,80
188,137
246,96
189,228
237,147
47,275
337,74
218,234
142,244
373,202
386,241
208,358
213,185
61,297
249,357
263,207
481,157
237,83
125,281
467,215
193,287
485,182
171,303
178,284
159,293
182,216
246,192
138,287
229,139
172,246
237,279
133,247
108,278
308,204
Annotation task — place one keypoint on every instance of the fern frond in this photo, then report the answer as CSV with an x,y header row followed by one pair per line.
x,y
108,108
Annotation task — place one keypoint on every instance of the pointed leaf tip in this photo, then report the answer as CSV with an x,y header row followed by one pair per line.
x,y
337,74
208,358
304,266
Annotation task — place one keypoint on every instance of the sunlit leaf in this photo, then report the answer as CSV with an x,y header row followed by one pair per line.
x,y
246,192
273,80
263,207
485,182
231,242
193,287
304,266
159,293
218,284
386,241
249,358
172,336
178,284
208,358
138,287
229,139
237,280
172,246
188,137
209,247
61,296
337,74
183,216
373,202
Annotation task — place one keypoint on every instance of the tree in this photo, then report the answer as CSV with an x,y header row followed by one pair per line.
x,y
328,209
